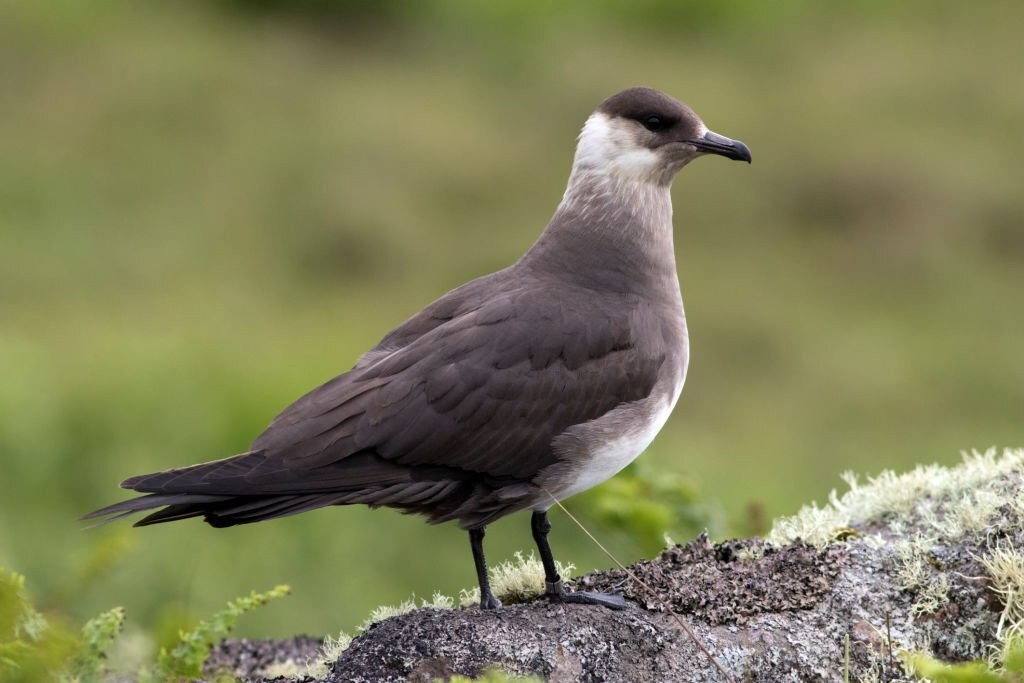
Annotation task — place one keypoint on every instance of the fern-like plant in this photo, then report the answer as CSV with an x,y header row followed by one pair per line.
x,y
185,660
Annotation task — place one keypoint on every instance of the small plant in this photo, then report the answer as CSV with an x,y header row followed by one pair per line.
x,y
98,634
935,671
33,648
186,659
648,504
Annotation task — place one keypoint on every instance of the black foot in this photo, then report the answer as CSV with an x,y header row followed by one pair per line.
x,y
476,542
556,593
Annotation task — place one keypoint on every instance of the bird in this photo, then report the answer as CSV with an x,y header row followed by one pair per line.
x,y
512,391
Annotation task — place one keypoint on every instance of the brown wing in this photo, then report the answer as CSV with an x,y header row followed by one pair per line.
x,y
484,392
463,399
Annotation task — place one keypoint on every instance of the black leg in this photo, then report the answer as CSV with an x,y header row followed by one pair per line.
x,y
476,542
554,590
540,526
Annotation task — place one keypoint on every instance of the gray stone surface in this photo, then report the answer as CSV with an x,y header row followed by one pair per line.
x,y
906,580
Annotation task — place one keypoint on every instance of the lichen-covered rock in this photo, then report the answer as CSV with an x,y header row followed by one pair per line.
x,y
927,561
727,583
251,658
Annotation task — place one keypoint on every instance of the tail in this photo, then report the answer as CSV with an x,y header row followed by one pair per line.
x,y
254,486
217,511
236,490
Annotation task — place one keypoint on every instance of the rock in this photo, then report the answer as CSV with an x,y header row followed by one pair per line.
x,y
902,564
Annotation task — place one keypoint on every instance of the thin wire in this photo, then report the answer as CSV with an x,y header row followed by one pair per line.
x,y
654,593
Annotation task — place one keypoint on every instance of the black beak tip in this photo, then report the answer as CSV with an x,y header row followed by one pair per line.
x,y
713,143
742,152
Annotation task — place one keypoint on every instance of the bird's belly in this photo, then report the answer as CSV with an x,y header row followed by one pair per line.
x,y
615,440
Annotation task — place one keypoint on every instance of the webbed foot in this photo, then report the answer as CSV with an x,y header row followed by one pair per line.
x,y
556,592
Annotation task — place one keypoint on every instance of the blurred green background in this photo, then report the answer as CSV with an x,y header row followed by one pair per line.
x,y
208,208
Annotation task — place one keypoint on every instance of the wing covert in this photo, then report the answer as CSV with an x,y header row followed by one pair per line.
x,y
485,392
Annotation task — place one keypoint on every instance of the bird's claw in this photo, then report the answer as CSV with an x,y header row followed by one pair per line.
x,y
555,592
489,602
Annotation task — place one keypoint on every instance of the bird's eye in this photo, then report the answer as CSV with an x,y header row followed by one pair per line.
x,y
654,123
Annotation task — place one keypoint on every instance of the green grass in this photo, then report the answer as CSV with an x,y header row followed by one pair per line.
x,y
203,214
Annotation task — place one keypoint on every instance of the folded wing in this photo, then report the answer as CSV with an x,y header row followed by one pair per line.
x,y
466,408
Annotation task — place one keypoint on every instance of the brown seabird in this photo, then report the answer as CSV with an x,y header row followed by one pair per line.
x,y
518,388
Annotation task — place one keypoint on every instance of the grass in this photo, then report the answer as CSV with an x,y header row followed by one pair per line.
x,y
203,214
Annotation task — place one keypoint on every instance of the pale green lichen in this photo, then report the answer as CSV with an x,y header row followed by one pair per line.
x,y
813,524
290,669
750,553
318,668
512,581
940,505
913,573
930,506
953,500
437,601
516,580
494,675
1005,567
1017,503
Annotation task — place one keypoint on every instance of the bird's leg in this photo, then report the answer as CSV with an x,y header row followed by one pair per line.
x,y
476,542
554,590
540,526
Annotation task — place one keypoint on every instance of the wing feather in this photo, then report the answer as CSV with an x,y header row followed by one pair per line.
x,y
510,376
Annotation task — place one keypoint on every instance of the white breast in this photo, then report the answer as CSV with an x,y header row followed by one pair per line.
x,y
609,454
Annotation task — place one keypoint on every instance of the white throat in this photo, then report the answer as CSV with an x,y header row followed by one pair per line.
x,y
612,147
607,146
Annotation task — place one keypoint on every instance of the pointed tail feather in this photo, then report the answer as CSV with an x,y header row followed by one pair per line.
x,y
252,487
217,511
149,502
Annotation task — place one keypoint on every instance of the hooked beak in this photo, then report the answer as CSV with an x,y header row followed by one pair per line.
x,y
713,143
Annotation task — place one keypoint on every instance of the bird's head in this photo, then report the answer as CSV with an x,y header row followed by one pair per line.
x,y
644,135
